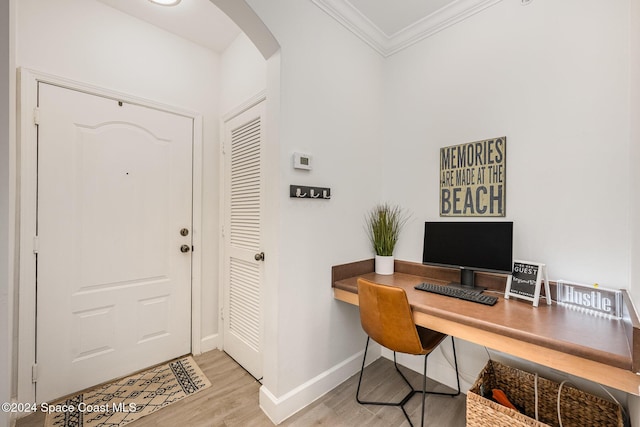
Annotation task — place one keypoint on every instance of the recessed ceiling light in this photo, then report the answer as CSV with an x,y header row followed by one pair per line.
x,y
166,2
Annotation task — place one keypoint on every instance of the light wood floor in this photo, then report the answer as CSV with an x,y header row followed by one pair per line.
x,y
232,400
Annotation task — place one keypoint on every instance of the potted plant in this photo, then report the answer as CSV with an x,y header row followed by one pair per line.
x,y
383,224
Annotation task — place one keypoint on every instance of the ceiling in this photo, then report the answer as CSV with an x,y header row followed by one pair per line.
x,y
199,21
405,12
389,27
386,26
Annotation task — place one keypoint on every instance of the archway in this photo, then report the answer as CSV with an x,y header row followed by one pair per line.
x,y
251,24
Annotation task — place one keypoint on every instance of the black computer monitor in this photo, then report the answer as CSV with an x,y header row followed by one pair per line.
x,y
469,246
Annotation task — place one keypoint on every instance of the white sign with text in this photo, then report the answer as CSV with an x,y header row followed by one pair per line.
x,y
591,299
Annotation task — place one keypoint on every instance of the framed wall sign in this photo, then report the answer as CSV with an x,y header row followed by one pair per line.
x,y
473,178
525,282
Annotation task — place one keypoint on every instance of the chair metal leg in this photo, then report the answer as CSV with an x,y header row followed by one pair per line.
x,y
364,402
424,389
413,391
400,372
424,382
455,361
401,403
364,358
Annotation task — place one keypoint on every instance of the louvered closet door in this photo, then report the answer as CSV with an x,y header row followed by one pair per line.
x,y
244,136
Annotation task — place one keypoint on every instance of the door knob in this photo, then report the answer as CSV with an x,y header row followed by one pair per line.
x,y
184,249
184,232
259,256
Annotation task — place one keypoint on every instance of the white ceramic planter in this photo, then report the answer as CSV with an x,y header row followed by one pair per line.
x,y
384,264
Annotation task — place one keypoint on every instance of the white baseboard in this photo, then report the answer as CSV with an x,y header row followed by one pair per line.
x,y
210,342
279,409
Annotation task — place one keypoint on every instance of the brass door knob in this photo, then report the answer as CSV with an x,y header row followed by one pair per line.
x,y
185,248
259,256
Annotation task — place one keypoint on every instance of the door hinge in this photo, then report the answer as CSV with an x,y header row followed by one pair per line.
x,y
36,116
222,231
34,373
221,313
36,244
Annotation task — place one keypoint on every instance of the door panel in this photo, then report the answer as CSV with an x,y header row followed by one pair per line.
x,y
244,138
113,287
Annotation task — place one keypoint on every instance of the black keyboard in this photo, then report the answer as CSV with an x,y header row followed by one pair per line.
x,y
465,294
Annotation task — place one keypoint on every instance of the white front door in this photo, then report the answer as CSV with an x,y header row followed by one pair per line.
x,y
114,193
243,148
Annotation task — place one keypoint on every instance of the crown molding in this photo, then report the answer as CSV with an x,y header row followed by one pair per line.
x,y
351,18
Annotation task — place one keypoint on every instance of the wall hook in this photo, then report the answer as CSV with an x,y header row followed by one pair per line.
x,y
304,192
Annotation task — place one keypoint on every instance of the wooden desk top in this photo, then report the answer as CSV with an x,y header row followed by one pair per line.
x,y
515,327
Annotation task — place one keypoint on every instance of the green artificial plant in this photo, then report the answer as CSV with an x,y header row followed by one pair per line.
x,y
383,224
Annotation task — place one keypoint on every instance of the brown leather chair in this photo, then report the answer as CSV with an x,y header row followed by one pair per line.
x,y
386,317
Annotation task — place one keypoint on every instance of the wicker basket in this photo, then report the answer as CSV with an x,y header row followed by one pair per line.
x,y
577,408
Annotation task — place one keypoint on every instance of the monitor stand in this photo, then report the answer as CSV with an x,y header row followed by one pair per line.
x,y
467,277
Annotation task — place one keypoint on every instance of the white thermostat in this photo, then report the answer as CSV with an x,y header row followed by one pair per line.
x,y
301,161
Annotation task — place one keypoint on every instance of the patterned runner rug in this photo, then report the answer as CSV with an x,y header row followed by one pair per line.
x,y
128,399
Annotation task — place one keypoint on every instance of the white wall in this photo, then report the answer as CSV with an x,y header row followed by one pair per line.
x,y
243,74
634,82
107,48
554,78
7,195
330,107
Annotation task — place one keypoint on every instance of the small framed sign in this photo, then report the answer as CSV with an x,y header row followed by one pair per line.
x,y
525,282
